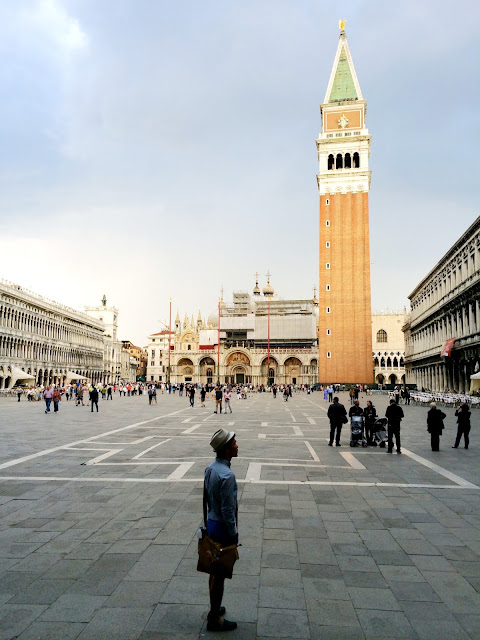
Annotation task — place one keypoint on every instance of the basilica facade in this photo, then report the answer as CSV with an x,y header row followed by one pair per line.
x,y
256,339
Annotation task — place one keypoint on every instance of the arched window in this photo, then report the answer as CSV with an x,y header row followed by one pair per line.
x,y
271,373
395,363
382,362
389,363
381,336
348,161
339,164
331,162
356,160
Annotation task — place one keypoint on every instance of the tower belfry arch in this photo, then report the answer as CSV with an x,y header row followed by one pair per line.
x,y
343,146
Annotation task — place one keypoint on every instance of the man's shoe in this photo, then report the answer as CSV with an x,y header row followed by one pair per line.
x,y
337,444
226,625
330,444
214,412
389,451
454,447
398,451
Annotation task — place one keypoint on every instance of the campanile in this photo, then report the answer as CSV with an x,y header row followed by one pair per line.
x,y
345,324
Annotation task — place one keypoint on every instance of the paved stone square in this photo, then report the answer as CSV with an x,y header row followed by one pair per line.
x,y
99,515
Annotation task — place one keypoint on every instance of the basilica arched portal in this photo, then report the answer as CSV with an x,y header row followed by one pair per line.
x,y
185,369
238,368
293,369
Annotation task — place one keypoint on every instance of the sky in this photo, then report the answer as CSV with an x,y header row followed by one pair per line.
x,y
153,149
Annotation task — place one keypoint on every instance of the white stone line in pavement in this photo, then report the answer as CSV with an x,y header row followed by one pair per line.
x,y
154,446
318,406
312,451
262,436
45,452
200,480
297,431
352,461
311,420
180,471
264,424
230,424
191,429
187,419
110,453
254,471
440,470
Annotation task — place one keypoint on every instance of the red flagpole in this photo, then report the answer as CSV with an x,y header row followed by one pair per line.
x,y
218,346
268,342
169,340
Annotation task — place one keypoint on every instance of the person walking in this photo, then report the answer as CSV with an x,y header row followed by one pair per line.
x,y
352,395
150,394
109,393
435,426
394,415
56,397
220,509
218,400
370,414
191,394
337,415
94,397
47,396
203,394
463,429
19,393
227,397
154,394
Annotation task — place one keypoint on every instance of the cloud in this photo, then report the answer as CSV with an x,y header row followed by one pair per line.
x,y
50,19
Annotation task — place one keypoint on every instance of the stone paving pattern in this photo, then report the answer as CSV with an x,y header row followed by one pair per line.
x,y
109,550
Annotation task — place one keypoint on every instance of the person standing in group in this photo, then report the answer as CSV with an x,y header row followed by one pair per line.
x,y
109,393
394,415
435,419
227,397
463,429
220,509
47,396
337,415
355,409
79,395
154,394
203,393
56,397
218,400
370,414
94,397
191,394
150,394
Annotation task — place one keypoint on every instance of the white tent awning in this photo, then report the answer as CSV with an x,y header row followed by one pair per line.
x,y
18,374
71,375
476,376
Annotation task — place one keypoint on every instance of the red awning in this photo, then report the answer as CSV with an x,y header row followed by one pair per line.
x,y
207,347
447,347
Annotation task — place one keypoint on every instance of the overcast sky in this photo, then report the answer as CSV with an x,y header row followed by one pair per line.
x,y
152,148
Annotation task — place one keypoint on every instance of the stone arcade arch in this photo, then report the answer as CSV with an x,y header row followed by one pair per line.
x,y
185,369
292,370
269,372
207,368
238,368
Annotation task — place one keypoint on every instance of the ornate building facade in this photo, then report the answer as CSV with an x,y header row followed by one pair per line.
x,y
140,356
112,355
388,347
343,146
44,342
261,340
442,331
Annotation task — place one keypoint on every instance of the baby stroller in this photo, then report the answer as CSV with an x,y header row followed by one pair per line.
x,y
379,432
357,432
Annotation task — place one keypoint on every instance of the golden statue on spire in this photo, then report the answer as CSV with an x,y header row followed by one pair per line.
x,y
341,25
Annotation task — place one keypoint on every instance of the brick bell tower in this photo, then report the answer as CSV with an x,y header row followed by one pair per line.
x,y
345,323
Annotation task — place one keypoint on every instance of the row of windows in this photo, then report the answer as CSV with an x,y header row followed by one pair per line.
x,y
346,161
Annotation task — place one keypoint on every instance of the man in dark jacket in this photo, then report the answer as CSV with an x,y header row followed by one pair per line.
x,y
94,397
338,416
394,415
435,419
355,409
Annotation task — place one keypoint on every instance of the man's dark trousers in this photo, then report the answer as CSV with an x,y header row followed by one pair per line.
x,y
95,402
338,428
393,430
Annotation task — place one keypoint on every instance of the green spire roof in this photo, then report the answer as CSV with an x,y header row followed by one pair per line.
x,y
343,87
